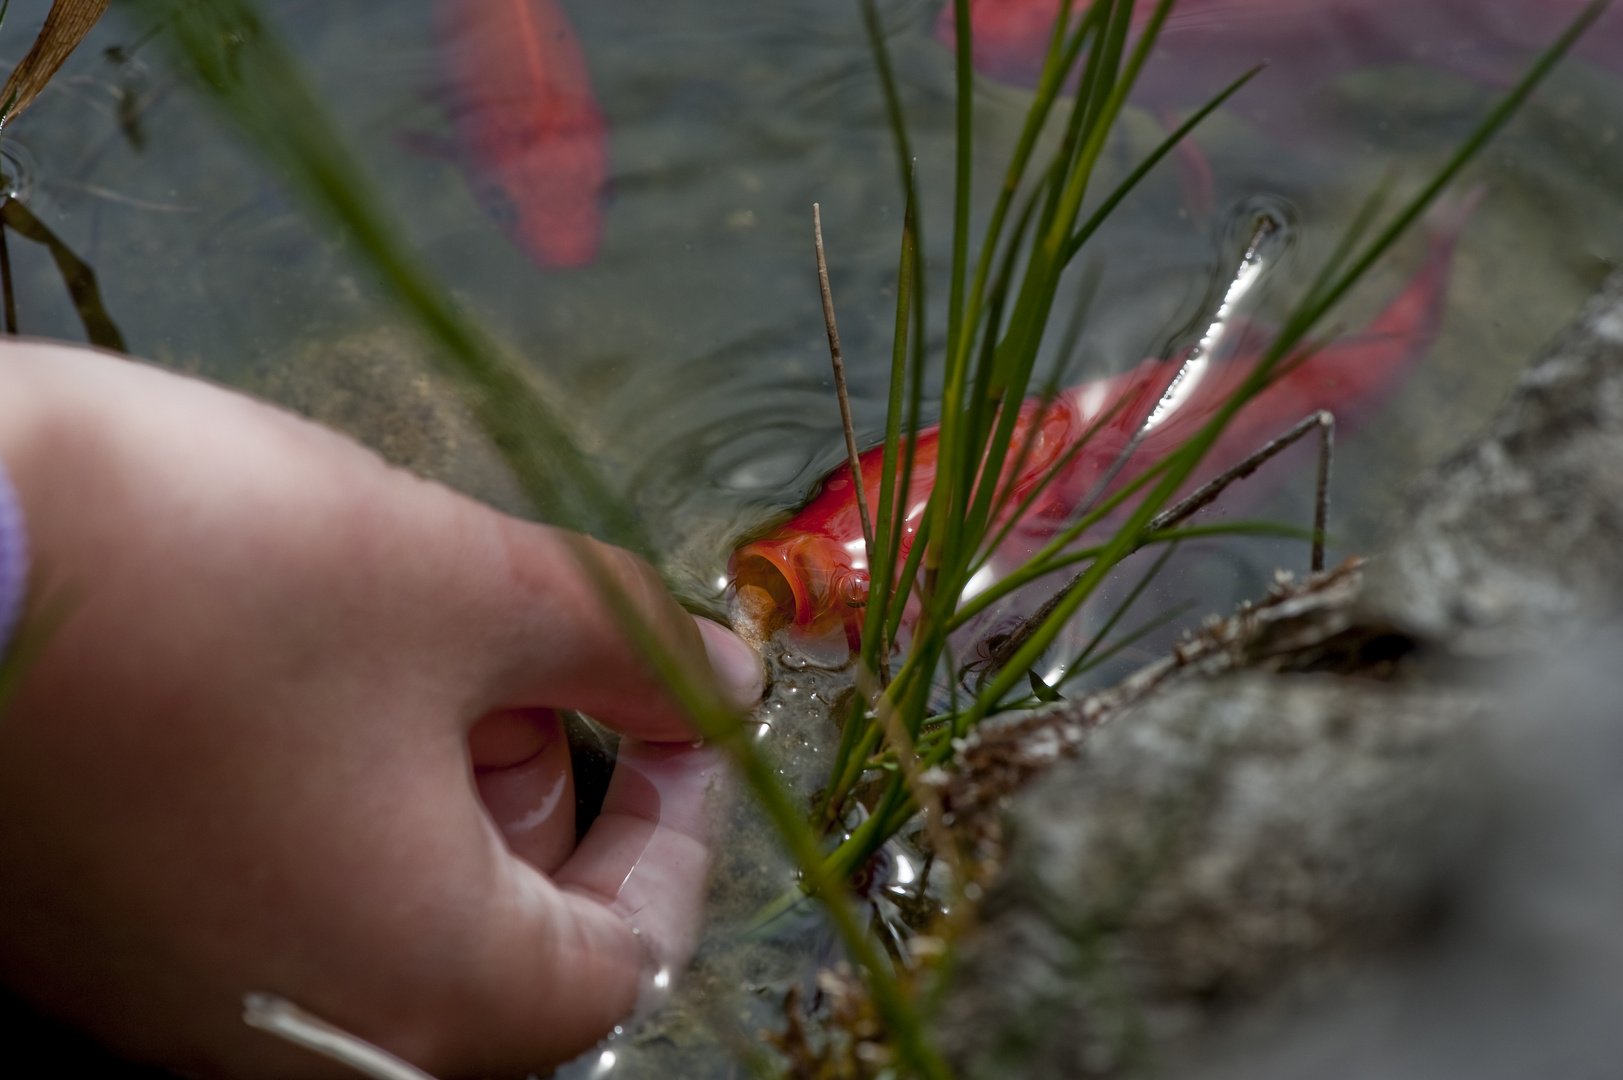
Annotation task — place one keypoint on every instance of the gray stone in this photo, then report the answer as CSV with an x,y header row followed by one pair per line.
x,y
1526,978
1519,533
1213,877
1204,847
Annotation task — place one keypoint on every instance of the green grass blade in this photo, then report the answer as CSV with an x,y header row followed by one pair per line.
x,y
1487,129
1166,146
1055,69
963,159
881,572
1121,610
1082,665
894,113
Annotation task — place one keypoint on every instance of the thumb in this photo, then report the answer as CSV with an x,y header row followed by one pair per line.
x,y
647,854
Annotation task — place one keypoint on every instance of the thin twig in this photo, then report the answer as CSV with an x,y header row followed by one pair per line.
x,y
1252,265
1197,501
1208,492
286,1020
1321,500
839,382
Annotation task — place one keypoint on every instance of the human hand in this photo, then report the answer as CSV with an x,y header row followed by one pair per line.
x,y
247,760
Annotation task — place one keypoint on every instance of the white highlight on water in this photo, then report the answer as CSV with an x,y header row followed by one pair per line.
x,y
983,579
1200,358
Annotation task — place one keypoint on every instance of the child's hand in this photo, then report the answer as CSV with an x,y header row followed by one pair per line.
x,y
243,763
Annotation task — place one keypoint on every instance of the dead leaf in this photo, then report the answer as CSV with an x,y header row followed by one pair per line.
x,y
66,26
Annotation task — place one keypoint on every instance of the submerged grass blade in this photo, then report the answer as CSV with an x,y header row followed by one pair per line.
x,y
963,159
1121,611
1490,126
1084,664
77,276
8,294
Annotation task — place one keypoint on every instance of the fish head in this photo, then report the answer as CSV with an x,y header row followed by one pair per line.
x,y
805,580
811,572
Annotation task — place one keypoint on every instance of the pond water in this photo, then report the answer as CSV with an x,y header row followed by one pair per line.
x,y
691,348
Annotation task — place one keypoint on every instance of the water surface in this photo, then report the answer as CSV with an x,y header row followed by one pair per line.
x,y
692,349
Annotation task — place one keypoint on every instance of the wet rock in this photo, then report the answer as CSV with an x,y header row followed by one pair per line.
x,y
1525,978
1214,875
1299,626
1203,849
1520,531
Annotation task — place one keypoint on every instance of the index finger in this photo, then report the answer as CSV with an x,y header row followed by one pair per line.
x,y
562,643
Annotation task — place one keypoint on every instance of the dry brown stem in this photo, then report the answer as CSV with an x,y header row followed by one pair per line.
x,y
839,382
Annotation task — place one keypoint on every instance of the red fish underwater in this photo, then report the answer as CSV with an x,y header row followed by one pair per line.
x,y
530,134
812,570
1206,44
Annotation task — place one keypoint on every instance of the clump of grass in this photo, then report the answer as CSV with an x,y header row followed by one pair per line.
x,y
998,315
996,321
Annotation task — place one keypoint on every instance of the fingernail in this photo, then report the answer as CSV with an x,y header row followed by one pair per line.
x,y
735,664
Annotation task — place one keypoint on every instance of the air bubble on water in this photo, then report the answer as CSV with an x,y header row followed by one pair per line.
x,y
17,170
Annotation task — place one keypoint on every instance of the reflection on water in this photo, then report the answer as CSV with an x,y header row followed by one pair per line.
x,y
692,348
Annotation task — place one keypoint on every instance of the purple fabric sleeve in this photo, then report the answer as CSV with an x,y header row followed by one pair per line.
x,y
13,561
